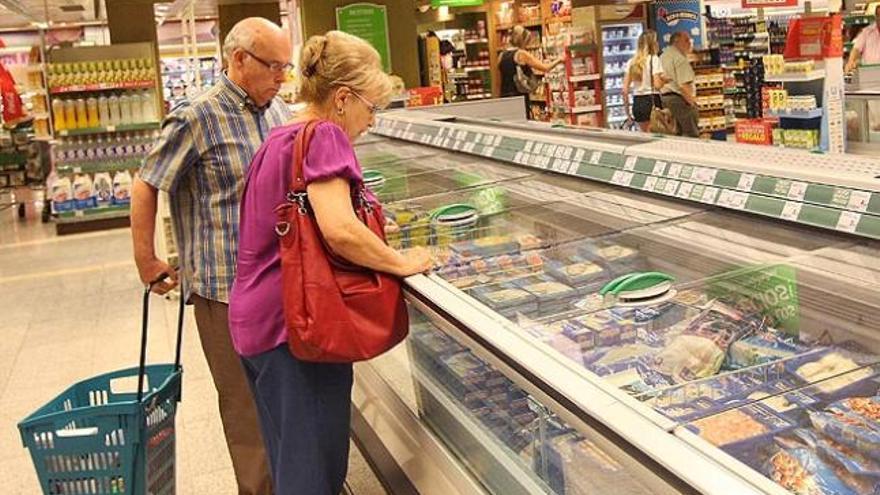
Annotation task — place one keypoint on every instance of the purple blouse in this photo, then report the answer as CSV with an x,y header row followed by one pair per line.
x,y
256,316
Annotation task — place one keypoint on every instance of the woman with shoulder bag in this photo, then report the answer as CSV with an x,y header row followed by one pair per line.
x,y
645,72
518,66
316,286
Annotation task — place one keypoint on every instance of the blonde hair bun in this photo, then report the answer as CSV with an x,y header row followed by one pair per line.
x,y
338,59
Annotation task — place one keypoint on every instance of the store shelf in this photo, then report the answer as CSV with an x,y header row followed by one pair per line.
x,y
619,54
481,41
480,68
796,77
94,167
83,88
478,96
585,77
583,109
811,114
109,129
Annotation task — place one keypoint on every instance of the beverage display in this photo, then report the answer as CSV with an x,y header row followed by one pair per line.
x,y
108,72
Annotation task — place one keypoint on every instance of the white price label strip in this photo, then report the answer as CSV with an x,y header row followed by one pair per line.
x,y
670,187
579,154
858,200
791,211
746,181
573,167
528,147
650,183
710,195
659,168
630,163
685,190
797,191
674,170
848,221
596,157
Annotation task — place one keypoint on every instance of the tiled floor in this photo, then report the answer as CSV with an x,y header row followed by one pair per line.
x,y
70,309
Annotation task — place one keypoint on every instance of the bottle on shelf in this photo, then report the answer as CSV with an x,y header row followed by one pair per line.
x,y
149,106
115,114
104,111
82,116
58,113
70,114
92,112
125,116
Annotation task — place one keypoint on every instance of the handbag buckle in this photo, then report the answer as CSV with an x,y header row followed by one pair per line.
x,y
282,228
299,198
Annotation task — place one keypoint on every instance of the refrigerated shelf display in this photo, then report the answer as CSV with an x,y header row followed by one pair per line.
x,y
764,358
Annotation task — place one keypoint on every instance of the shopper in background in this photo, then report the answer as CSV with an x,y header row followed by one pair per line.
x,y
643,71
866,47
305,406
679,92
201,160
517,56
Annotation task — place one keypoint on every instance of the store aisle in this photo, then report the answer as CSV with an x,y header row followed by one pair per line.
x,y
70,309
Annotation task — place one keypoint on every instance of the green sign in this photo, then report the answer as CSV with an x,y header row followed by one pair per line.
x,y
369,22
772,290
456,3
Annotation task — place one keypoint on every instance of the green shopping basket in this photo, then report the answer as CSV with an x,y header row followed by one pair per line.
x,y
104,436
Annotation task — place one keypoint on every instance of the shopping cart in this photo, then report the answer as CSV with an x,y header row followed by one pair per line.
x,y
104,436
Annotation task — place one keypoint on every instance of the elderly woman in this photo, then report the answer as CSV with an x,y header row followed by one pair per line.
x,y
304,406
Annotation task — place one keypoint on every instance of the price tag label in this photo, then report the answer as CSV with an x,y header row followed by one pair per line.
x,y
568,152
849,221
446,142
557,165
650,183
746,181
469,147
685,190
596,157
797,191
709,195
791,211
738,200
674,170
858,200
630,163
545,161
517,158
489,140
573,167
706,175
528,147
539,148
442,131
579,154
687,172
670,187
77,170
497,141
659,168
478,138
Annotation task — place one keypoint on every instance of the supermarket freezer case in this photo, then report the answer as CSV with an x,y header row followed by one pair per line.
x,y
518,379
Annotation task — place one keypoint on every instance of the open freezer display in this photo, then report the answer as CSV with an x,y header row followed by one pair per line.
x,y
738,313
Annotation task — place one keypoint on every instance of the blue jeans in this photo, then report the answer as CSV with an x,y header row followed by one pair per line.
x,y
304,410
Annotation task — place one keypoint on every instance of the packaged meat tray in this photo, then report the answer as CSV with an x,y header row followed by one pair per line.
x,y
578,271
835,372
552,295
800,469
491,270
506,298
742,432
854,422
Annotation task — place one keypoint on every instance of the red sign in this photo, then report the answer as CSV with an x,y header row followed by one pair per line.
x,y
754,4
425,97
756,131
815,37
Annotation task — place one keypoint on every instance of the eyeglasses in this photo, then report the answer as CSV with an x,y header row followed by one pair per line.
x,y
370,105
273,66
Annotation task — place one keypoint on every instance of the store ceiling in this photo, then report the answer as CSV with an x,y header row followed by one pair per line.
x,y
21,13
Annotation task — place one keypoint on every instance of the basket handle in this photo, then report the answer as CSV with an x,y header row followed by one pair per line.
x,y
145,322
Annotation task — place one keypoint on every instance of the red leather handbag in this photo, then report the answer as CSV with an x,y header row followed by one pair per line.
x,y
336,312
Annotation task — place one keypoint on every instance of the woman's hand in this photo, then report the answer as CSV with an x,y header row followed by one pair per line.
x,y
415,260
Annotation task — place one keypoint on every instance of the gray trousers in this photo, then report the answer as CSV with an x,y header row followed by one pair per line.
x,y
685,115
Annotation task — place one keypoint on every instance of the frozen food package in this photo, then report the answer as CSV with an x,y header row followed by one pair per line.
x,y
576,271
702,346
799,469
836,372
742,429
854,422
761,348
855,462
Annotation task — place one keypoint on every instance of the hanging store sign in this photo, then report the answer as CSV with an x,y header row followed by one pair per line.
x,y
369,22
678,15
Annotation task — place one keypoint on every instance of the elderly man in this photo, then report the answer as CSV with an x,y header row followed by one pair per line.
x,y
679,92
201,160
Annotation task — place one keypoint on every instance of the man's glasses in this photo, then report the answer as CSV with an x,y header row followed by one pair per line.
x,y
370,105
273,66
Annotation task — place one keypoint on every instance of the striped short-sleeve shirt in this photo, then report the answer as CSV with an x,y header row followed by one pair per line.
x,y
201,160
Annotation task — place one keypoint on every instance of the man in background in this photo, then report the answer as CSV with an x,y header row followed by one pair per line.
x,y
679,92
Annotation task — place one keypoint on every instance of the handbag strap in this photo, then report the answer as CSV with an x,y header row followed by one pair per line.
x,y
300,147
